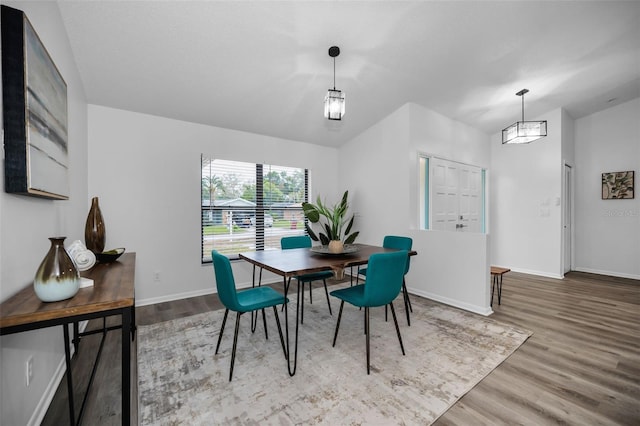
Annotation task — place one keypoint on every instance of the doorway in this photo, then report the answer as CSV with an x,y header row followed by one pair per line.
x,y
567,219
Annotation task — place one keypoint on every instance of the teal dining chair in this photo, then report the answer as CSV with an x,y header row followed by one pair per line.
x,y
383,284
399,243
240,302
304,241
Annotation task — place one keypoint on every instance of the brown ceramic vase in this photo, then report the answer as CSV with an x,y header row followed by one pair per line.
x,y
94,232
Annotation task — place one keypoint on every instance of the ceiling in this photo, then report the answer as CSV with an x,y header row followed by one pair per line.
x,y
263,66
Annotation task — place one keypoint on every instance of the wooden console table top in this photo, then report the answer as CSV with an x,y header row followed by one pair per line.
x,y
113,288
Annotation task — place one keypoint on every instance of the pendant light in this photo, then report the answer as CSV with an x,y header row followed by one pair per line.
x,y
334,101
524,131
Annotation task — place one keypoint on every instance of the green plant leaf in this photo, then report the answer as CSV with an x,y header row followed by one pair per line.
x,y
312,234
346,232
311,212
351,238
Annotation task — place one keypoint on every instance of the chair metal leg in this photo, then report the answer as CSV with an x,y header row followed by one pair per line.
x,y
254,321
224,321
366,327
235,344
407,303
406,294
327,293
275,311
264,321
310,293
395,320
335,336
301,300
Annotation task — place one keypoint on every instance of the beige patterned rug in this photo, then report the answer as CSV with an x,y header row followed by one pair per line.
x,y
448,351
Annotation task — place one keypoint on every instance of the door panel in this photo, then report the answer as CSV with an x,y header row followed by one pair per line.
x,y
456,196
445,196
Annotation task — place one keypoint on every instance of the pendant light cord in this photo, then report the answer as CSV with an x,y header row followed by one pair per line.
x,y
334,74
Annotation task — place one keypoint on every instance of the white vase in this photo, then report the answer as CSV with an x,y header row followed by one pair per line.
x,y
336,246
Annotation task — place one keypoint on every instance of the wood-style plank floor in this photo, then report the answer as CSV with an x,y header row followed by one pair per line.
x,y
581,366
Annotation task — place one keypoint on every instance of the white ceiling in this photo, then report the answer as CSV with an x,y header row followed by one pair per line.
x,y
263,66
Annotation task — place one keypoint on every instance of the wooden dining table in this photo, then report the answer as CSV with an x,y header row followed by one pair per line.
x,y
293,262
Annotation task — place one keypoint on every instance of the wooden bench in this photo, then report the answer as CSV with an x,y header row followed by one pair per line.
x,y
496,274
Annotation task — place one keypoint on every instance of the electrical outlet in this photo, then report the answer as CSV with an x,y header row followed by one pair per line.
x,y
29,370
156,276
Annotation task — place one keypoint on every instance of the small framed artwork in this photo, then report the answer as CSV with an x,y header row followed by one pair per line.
x,y
34,97
618,185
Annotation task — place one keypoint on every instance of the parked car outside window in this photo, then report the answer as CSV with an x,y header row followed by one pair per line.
x,y
268,220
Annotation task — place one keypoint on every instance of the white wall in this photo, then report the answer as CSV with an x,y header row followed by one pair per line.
x,y
380,169
607,232
25,225
146,172
526,202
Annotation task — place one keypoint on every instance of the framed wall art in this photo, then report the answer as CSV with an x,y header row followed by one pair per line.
x,y
34,98
618,185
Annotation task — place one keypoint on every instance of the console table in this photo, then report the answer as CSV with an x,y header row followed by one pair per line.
x,y
111,294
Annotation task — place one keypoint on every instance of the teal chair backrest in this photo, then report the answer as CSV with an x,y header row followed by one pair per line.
x,y
399,243
225,282
298,241
384,277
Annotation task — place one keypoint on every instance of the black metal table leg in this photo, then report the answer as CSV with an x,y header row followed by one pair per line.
x,y
292,372
493,286
127,314
76,337
67,359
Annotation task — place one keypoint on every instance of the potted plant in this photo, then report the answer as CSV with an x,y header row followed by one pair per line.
x,y
336,229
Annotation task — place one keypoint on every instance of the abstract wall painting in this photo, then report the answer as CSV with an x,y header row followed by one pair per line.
x,y
617,185
34,113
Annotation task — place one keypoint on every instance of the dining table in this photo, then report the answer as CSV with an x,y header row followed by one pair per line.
x,y
293,262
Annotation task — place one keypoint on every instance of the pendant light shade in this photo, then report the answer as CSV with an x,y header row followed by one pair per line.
x,y
334,105
334,100
524,131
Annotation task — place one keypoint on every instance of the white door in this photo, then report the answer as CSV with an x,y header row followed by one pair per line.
x,y
456,191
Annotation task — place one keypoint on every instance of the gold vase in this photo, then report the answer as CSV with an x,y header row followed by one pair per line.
x,y
94,232
336,246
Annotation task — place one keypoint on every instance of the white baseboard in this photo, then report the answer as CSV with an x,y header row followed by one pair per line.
x,y
188,294
452,302
609,273
538,273
43,405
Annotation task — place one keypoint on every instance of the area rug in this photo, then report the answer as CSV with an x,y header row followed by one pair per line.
x,y
448,351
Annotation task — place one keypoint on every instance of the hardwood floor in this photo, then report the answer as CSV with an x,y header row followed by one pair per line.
x,y
581,365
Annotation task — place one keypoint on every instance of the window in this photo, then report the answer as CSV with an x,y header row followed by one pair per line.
x,y
249,207
452,196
